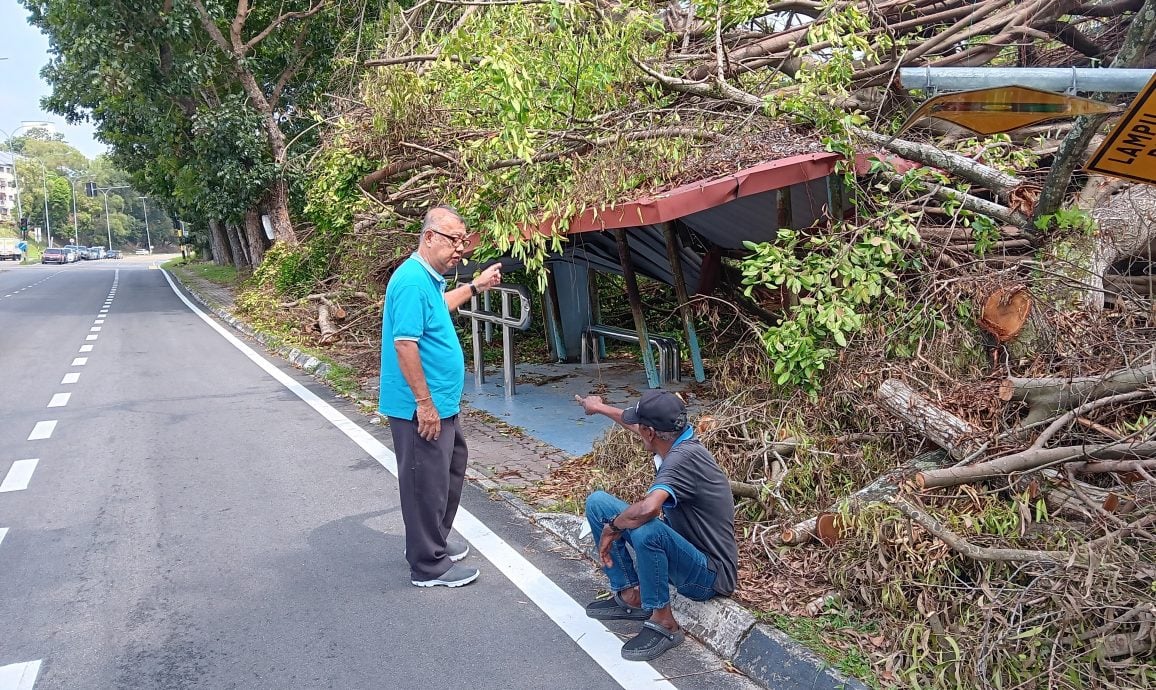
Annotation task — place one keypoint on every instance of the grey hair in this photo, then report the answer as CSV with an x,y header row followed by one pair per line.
x,y
436,216
667,435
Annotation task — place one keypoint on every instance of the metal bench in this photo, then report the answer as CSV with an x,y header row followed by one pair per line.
x,y
669,359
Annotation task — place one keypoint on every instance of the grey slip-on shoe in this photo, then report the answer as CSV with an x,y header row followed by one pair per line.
x,y
456,576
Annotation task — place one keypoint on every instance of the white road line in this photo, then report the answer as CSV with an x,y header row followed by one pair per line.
x,y
603,646
98,321
80,361
42,430
3,531
19,475
91,337
59,399
70,378
95,329
19,676
86,348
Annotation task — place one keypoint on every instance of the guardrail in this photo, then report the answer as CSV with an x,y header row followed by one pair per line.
x,y
669,360
507,320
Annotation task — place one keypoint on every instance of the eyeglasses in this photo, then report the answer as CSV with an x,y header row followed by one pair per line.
x,y
455,240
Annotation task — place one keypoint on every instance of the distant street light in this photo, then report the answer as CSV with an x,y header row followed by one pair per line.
x,y
15,177
69,173
148,238
91,190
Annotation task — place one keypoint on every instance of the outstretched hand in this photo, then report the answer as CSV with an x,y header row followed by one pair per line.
x,y
489,278
590,403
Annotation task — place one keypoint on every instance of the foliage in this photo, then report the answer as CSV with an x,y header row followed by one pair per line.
x,y
832,276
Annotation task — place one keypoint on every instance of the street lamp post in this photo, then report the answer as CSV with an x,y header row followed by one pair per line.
x,y
148,238
107,226
69,173
47,221
15,176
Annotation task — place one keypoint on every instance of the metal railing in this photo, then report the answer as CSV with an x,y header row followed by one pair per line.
x,y
507,320
669,359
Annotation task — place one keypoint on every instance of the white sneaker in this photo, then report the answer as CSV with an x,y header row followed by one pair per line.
x,y
456,576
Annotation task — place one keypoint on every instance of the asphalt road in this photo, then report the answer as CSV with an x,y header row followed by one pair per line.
x,y
188,521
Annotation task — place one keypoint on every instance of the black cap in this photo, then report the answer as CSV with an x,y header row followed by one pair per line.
x,y
659,410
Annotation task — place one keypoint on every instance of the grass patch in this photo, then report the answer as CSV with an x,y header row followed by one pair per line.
x,y
221,275
342,377
835,636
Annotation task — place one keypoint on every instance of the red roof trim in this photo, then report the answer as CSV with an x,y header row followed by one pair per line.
x,y
699,196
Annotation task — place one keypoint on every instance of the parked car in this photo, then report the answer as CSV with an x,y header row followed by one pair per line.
x,y
114,253
54,255
141,252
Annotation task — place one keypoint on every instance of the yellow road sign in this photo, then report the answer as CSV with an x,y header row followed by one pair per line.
x,y
1004,108
1130,150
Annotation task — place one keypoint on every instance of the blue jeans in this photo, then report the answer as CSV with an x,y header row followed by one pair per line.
x,y
664,557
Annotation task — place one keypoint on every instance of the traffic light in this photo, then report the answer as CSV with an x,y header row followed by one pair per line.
x,y
24,227
90,189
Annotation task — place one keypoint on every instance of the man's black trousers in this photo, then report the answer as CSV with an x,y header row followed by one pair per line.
x,y
430,475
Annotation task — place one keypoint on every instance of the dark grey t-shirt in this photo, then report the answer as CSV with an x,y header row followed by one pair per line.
x,y
701,507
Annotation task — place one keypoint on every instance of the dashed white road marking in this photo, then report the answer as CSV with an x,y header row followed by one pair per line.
x,y
3,531
86,348
80,361
603,646
42,430
59,399
95,329
20,676
91,337
98,321
19,475
70,378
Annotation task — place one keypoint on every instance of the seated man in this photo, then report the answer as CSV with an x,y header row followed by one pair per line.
x,y
694,548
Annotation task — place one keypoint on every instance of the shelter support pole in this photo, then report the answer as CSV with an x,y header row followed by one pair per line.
x,y
636,308
674,254
553,322
596,313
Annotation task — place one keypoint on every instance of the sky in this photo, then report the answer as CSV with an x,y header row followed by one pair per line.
x,y
25,52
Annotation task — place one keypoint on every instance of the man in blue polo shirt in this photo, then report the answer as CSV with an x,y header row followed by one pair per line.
x,y
422,374
693,548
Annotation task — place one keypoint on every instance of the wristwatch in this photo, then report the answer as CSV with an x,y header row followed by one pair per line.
x,y
609,524
474,289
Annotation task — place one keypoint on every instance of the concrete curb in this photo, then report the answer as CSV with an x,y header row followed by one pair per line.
x,y
766,655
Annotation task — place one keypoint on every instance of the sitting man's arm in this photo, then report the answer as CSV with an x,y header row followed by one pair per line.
x,y
593,404
635,515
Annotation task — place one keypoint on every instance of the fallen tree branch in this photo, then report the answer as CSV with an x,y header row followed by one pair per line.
x,y
881,489
1050,396
959,438
1033,459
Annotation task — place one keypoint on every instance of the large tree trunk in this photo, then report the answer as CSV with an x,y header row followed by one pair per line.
x,y
279,212
255,236
218,245
237,246
1127,226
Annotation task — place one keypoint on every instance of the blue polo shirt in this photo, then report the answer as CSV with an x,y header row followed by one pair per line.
x,y
415,309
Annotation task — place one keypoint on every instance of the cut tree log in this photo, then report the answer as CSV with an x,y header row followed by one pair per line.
x,y
959,438
881,489
1032,459
1048,397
